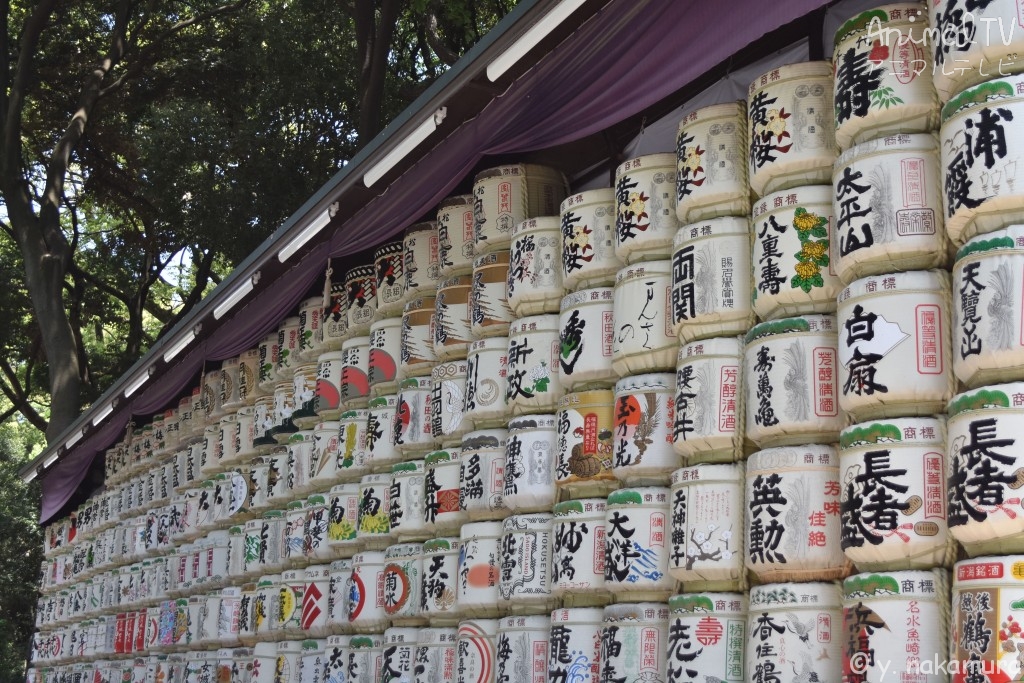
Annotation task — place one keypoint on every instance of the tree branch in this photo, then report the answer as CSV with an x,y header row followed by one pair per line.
x,y
203,274
435,41
20,402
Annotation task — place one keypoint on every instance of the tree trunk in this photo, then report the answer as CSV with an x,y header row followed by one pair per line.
x,y
374,29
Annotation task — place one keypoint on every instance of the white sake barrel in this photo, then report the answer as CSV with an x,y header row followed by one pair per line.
x,y
588,239
790,129
366,598
633,641
366,657
361,287
637,543
894,348
353,455
380,433
455,235
323,462
248,381
578,545
791,384
793,632
399,651
794,253
336,655
644,421
335,312
980,149
575,645
172,436
328,384
882,82
304,391
311,313
293,585
338,597
315,544
986,625
522,649
355,366
295,534
270,553
186,429
983,477
300,455
198,424
896,620
388,265
405,515
486,370
288,348
711,279
489,312
706,632
412,435
887,206
978,42
707,527
535,270
440,580
505,196
435,655
482,477
448,401
988,308
451,318
441,483
711,163
792,523
422,260
709,411
585,444
479,569
644,340
385,355
417,350
343,519
267,608
264,663
524,584
213,384
373,530
475,650
402,582
586,336
530,464
228,428
645,206
313,661
893,506
263,422
314,600
533,381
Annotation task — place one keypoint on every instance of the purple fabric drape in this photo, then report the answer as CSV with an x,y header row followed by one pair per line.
x,y
625,58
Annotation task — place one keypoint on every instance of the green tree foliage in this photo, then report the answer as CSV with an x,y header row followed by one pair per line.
x,y
146,148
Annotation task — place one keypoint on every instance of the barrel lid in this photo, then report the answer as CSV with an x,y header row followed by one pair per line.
x,y
456,200
643,269
342,565
395,321
860,23
528,623
996,90
527,522
578,507
806,457
643,495
636,611
408,467
316,499
896,283
917,584
471,529
646,163
930,430
716,346
389,249
419,303
352,488
424,383
435,457
532,422
697,474
355,341
902,142
439,636
655,381
400,550
353,415
991,397
489,343
455,281
547,322
537,224
797,199
1009,238
425,226
367,557
499,256
714,111
815,595
389,401
709,603
601,195
807,323
606,294
578,615
442,545
593,397
774,77
723,226
328,426
360,272
366,642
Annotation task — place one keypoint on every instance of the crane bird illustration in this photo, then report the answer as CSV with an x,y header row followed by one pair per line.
x,y
794,625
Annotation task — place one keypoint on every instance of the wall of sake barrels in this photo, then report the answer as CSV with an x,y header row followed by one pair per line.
x,y
749,414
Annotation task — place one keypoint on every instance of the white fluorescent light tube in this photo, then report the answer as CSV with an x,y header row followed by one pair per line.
x,y
526,42
49,461
411,142
73,440
30,476
178,347
136,384
102,415
315,226
233,298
